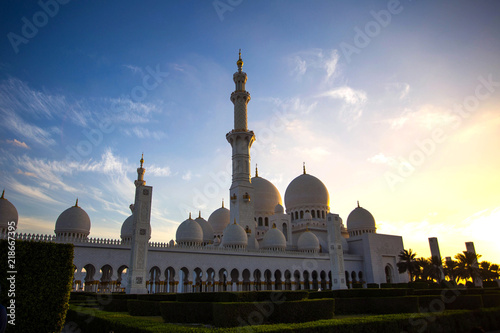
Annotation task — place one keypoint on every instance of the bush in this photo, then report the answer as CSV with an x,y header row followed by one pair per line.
x,y
450,302
491,300
490,284
357,285
42,284
114,305
143,308
157,297
256,313
372,285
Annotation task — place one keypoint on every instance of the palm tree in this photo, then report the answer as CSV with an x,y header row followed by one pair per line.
x,y
488,271
434,269
407,263
451,270
421,272
468,266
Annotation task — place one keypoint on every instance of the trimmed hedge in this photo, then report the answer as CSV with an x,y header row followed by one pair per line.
x,y
491,300
42,284
376,305
244,296
257,313
450,302
353,293
372,285
157,297
187,312
143,308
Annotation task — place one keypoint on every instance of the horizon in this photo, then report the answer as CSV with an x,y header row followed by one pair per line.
x,y
394,104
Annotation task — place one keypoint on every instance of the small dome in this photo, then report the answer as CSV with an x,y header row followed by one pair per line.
x,y
266,196
127,231
278,209
189,232
360,219
73,220
219,220
306,190
8,213
234,236
308,242
308,216
208,231
274,239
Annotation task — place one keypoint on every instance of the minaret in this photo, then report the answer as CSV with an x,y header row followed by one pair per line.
x,y
241,139
335,251
137,273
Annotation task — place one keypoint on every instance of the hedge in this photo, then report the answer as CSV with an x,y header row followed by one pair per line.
x,y
491,300
257,313
157,297
42,284
376,305
187,312
250,296
351,293
450,302
143,308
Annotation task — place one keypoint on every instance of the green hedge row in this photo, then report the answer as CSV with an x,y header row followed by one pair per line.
x,y
251,296
258,313
187,312
350,293
143,308
376,305
41,285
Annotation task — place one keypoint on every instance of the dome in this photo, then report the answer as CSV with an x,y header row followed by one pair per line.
x,y
278,209
208,231
8,213
308,242
265,196
308,216
306,190
127,231
234,236
127,228
73,220
219,220
360,219
189,232
274,239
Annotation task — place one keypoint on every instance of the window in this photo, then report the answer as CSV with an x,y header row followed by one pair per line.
x,y
260,221
266,222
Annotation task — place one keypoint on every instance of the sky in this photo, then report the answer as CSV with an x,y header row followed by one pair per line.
x,y
392,103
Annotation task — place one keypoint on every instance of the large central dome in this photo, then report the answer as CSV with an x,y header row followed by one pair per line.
x,y
266,196
306,190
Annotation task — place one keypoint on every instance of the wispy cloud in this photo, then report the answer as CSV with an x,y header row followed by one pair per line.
x,y
18,143
426,116
134,69
13,123
323,61
347,94
144,133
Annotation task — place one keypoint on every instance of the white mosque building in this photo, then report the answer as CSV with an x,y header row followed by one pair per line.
x,y
254,245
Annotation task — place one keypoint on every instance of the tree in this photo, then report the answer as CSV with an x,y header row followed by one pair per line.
x,y
488,271
407,263
421,272
468,266
451,270
434,269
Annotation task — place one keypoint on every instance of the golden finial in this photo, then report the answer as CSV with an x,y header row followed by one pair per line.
x,y
358,203
222,202
256,170
239,62
76,203
304,167
142,159
235,220
274,225
199,214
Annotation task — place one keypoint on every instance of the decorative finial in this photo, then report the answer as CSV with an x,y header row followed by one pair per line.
x,y
304,167
199,214
142,159
3,193
256,170
274,225
358,203
76,203
222,202
235,220
239,63
190,216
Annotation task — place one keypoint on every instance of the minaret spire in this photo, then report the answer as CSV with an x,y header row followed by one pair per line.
x,y
3,194
304,167
256,171
140,173
76,203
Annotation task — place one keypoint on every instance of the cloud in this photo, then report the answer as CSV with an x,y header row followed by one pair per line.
x,y
13,123
134,69
347,94
29,174
427,116
323,62
34,192
18,143
154,170
144,133
187,176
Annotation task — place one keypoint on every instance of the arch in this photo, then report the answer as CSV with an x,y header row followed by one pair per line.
x,y
307,285
105,282
266,221
184,277
154,280
315,284
170,280
353,277
197,279
313,214
301,214
285,231
323,283
223,279
318,214
246,280
277,280
288,280
257,276
235,274
296,215
268,279
360,276
210,281
389,277
323,214
296,280
260,221
347,280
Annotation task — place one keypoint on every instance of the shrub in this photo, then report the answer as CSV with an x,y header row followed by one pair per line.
x,y
114,305
376,305
491,300
372,285
450,302
143,308
157,297
491,284
42,284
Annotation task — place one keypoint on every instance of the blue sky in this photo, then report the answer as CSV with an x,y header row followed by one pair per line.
x,y
367,94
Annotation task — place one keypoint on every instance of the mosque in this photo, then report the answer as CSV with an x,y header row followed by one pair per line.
x,y
254,245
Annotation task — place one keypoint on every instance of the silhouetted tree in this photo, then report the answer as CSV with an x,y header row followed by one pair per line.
x,y
434,269
451,270
488,271
407,263
468,266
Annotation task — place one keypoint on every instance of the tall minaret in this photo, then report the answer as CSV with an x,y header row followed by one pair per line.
x,y
241,139
137,273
